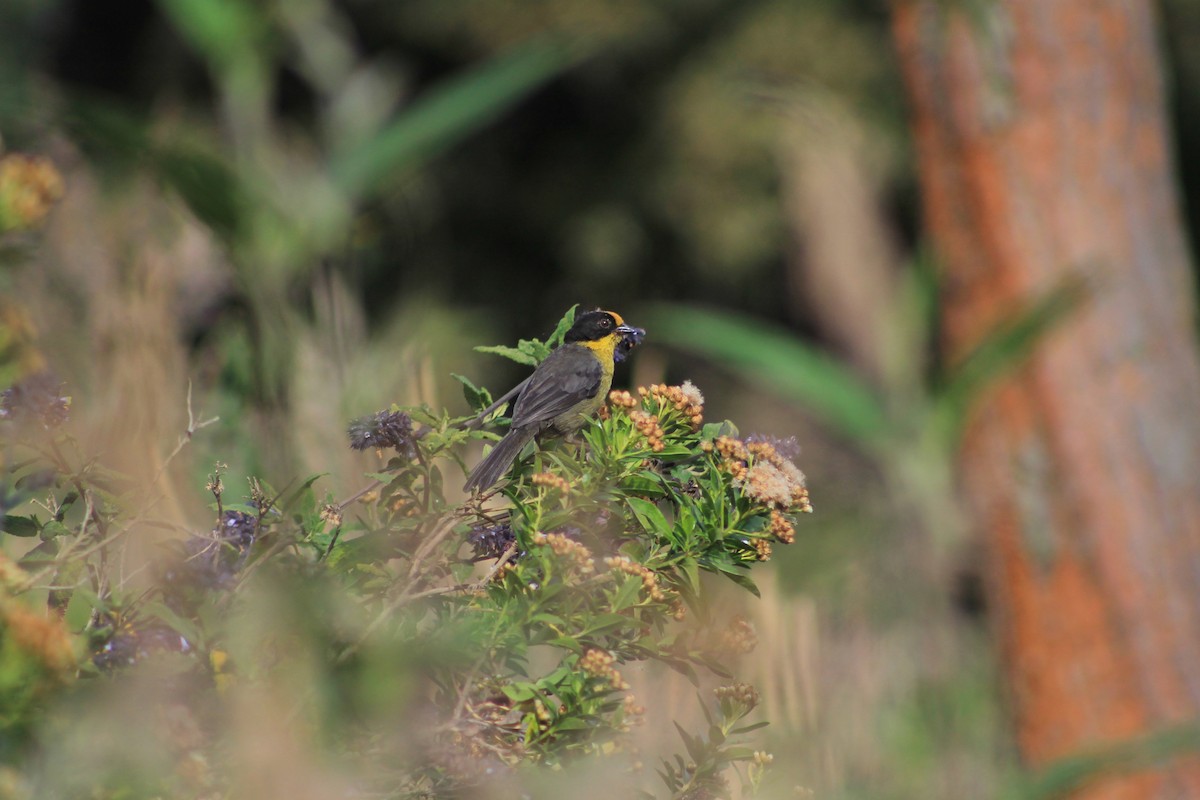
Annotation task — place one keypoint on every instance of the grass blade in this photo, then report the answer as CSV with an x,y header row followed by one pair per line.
x,y
446,114
1000,351
777,360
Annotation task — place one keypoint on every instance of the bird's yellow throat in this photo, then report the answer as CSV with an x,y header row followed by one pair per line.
x,y
605,349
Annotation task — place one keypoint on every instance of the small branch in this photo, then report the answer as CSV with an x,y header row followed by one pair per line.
x,y
192,427
360,494
410,597
504,558
427,546
337,532
465,690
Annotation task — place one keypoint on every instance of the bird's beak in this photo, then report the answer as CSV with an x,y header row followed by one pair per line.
x,y
628,332
630,338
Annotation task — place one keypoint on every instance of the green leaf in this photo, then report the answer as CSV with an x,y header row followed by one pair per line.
x,y
571,724
20,526
744,581
779,361
223,31
644,483
1065,775
689,570
563,326
371,547
673,451
446,114
509,352
712,430
64,504
650,515
736,754
209,186
708,717
79,608
694,746
627,593
519,691
603,622
548,682
54,528
534,348
476,397
36,480
999,352
566,643
184,627
298,494
40,556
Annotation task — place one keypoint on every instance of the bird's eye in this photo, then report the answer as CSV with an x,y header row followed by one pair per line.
x,y
605,322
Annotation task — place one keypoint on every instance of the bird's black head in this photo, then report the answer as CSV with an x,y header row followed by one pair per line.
x,y
592,326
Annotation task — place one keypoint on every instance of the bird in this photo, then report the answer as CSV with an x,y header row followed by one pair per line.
x,y
566,389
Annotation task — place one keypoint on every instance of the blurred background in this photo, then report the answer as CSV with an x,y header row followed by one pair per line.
x,y
306,210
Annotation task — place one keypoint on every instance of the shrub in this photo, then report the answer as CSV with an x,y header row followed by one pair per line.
x,y
498,625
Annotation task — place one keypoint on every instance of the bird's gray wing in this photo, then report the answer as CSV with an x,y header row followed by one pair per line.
x,y
554,387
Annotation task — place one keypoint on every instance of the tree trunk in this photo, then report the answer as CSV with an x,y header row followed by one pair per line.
x,y
1040,129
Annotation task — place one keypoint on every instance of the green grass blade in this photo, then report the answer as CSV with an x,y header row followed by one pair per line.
x,y
1001,350
446,114
1067,775
776,360
224,32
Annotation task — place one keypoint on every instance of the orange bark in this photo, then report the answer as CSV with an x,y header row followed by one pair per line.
x,y
1041,136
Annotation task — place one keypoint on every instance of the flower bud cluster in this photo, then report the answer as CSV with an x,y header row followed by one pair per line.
x,y
766,476
650,427
619,398
785,477
658,407
385,429
733,453
648,576
577,555
402,506
739,637
678,610
42,637
742,693
634,712
29,187
763,548
552,481
332,513
781,527
685,398
599,664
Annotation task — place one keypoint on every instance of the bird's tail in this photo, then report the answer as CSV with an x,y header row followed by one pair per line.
x,y
489,470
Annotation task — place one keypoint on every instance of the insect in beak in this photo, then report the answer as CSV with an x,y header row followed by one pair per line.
x,y
630,338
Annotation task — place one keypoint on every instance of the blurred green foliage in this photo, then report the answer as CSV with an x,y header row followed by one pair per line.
x,y
592,557
387,182
839,398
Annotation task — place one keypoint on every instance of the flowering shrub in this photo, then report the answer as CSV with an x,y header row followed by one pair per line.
x,y
29,187
525,604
